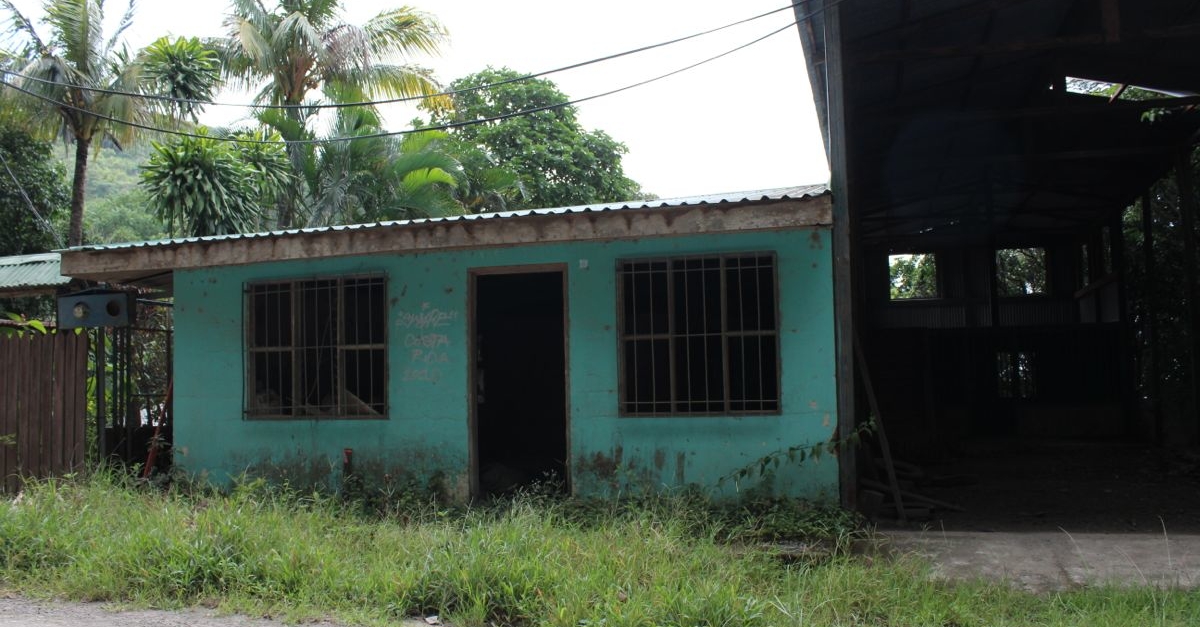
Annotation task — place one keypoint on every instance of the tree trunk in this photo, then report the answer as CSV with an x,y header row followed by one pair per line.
x,y
75,234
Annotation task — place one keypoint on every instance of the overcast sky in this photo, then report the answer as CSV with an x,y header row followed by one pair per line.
x,y
741,123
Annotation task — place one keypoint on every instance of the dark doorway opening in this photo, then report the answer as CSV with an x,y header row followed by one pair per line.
x,y
520,382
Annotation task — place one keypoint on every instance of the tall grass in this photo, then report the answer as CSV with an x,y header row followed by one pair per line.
x,y
529,561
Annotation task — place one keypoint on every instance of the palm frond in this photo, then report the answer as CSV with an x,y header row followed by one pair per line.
x,y
122,26
403,31
22,26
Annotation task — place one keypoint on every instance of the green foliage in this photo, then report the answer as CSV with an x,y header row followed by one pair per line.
x,y
379,178
77,47
40,180
765,466
302,46
202,186
185,69
122,217
559,162
913,276
22,325
1020,271
527,561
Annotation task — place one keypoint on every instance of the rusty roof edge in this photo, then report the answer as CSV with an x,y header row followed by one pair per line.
x,y
799,192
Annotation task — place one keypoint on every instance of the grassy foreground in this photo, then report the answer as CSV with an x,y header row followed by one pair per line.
x,y
531,561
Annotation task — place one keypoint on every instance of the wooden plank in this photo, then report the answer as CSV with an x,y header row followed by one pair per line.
x,y
8,425
35,415
1187,209
24,406
58,365
79,373
843,258
880,432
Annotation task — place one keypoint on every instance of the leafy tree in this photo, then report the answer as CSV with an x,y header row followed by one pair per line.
x,y
203,186
558,161
122,217
378,178
913,276
303,45
74,58
41,184
1020,271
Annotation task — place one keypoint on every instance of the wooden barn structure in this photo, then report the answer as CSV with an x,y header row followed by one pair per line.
x,y
969,133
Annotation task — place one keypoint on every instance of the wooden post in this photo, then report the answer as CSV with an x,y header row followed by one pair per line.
x,y
1187,208
101,405
843,253
1127,369
1150,317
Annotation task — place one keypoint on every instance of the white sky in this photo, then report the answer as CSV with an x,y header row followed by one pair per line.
x,y
741,123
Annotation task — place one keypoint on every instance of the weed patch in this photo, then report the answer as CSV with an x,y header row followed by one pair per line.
x,y
531,560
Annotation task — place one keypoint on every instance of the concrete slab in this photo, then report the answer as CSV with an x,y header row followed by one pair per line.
x,y
1041,561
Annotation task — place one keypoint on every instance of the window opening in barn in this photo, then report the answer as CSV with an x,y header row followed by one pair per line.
x,y
699,335
1015,374
316,348
1021,271
913,276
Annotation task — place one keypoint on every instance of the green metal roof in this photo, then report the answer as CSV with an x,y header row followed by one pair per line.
x,y
30,273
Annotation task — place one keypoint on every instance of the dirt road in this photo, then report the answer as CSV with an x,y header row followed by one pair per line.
x,y
19,612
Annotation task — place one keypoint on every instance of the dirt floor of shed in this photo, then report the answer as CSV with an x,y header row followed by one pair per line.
x,y
1075,486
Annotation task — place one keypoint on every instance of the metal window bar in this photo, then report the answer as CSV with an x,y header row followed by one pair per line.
x,y
317,348
750,387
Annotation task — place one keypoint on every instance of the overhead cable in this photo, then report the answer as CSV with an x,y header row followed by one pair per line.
x,y
381,134
343,105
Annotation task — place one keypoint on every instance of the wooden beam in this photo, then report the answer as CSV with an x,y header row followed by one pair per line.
x,y
951,16
1110,16
1187,210
843,252
1150,323
1023,46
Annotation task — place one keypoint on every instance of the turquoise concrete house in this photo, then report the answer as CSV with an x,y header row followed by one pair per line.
x,y
612,348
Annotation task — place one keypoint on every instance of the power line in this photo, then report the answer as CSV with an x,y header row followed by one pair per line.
x,y
342,105
42,222
439,127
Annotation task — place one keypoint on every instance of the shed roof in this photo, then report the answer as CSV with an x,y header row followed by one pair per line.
x,y
152,263
27,274
954,119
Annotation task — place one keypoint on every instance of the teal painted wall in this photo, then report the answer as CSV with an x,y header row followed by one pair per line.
x,y
426,433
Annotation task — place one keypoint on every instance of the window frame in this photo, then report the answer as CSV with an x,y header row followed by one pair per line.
x,y
938,288
1048,287
672,336
339,347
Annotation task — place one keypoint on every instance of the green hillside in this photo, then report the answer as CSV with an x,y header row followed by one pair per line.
x,y
116,210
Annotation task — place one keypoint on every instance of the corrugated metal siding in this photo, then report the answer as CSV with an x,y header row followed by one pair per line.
x,y
783,193
26,272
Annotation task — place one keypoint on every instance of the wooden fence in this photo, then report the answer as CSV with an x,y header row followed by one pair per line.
x,y
43,404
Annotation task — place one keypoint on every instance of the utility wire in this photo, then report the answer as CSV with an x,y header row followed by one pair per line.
x,y
439,127
42,222
342,105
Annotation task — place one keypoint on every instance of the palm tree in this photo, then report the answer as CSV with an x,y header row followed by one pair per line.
x,y
301,46
380,178
60,72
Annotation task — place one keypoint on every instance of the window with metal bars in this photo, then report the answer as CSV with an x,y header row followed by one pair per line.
x,y
699,335
316,348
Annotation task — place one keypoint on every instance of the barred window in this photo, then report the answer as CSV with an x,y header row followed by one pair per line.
x,y
316,348
699,335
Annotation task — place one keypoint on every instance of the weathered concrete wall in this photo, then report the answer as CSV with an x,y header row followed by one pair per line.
x,y
426,433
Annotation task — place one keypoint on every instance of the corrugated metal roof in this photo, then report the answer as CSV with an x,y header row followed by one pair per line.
x,y
782,193
28,272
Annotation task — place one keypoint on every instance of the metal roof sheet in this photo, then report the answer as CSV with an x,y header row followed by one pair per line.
x,y
782,193
28,272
